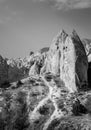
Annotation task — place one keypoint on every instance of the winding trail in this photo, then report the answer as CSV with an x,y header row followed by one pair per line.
x,y
53,95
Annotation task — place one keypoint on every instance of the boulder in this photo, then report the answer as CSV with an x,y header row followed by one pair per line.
x,y
87,102
44,50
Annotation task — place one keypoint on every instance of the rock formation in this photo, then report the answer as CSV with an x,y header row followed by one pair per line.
x,y
16,69
52,60
87,46
43,50
37,60
67,58
49,99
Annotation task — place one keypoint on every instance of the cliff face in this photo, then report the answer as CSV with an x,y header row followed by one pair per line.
x,y
67,58
87,46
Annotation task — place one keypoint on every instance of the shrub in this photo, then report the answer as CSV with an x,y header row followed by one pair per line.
x,y
31,53
78,108
44,110
19,83
5,84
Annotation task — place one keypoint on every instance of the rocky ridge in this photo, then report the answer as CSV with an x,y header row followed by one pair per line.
x,y
17,69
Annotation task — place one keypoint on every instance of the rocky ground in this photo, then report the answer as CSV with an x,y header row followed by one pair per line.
x,y
56,95
27,106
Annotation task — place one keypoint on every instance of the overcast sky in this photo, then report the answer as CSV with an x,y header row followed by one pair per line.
x,y
28,25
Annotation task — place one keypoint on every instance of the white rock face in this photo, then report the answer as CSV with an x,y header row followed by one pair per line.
x,y
51,63
67,58
67,63
33,70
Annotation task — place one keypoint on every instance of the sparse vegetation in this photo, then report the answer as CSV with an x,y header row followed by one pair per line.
x,y
44,110
31,53
19,83
5,84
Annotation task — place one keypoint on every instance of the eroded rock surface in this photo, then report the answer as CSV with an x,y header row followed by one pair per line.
x,y
67,58
32,106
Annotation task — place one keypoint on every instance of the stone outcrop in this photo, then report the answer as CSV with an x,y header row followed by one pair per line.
x,y
87,45
67,58
81,66
44,50
38,61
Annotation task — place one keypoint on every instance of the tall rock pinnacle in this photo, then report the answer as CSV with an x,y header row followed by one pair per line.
x,y
67,58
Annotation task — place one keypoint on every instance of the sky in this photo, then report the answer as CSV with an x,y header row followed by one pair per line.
x,y
28,25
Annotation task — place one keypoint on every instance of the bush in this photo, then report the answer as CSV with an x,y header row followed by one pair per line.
x,y
31,53
5,84
19,83
44,110
14,115
78,108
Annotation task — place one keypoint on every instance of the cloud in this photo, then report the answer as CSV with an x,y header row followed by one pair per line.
x,y
7,16
69,4
1,1
5,20
72,4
